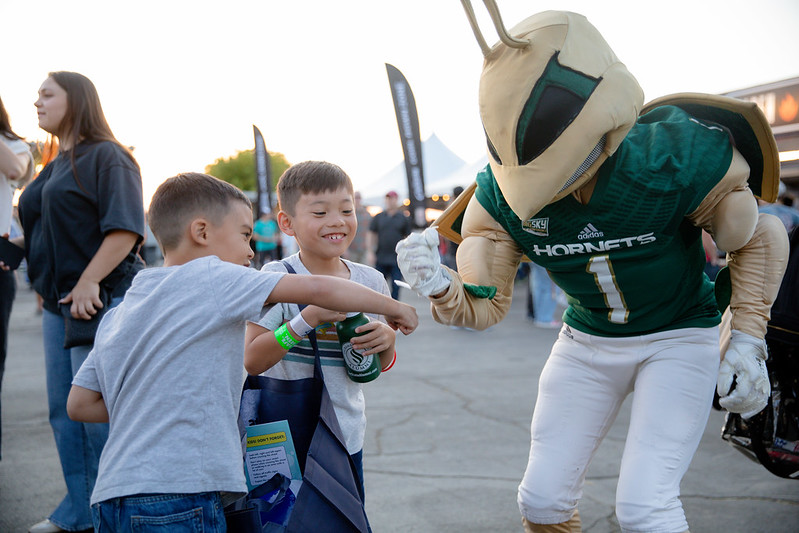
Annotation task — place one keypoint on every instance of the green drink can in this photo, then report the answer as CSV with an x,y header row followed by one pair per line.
x,y
360,368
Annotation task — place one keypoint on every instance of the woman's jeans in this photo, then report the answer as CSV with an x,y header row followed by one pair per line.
x,y
78,444
200,512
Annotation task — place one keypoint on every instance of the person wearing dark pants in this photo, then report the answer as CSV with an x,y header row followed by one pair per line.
x,y
16,168
386,229
8,290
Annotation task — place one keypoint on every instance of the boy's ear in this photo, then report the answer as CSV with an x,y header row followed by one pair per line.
x,y
284,222
198,231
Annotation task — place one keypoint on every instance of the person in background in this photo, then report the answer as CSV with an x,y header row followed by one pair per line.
x,y
544,293
266,236
16,168
783,208
83,220
714,259
386,229
358,250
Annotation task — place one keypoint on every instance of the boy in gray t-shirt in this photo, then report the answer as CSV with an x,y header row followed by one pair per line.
x,y
166,367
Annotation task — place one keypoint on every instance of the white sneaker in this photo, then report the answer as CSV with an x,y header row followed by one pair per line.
x,y
45,526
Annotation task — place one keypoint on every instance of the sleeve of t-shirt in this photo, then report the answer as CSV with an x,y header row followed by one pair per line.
x,y
86,376
18,147
119,192
273,318
373,224
277,314
240,292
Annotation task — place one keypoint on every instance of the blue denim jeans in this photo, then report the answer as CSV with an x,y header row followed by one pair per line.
x,y
544,303
79,445
143,513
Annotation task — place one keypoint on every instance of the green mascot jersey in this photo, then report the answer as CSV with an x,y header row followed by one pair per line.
x,y
629,261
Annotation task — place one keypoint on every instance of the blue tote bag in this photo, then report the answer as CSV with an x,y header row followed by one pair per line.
x,y
330,498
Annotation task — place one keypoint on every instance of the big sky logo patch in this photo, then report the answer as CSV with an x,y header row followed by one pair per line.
x,y
537,226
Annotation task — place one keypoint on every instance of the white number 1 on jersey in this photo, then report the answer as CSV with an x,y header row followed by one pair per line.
x,y
605,279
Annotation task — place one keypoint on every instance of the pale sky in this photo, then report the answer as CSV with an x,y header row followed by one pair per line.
x,y
184,81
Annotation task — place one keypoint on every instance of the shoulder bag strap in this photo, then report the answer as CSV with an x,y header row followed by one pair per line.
x,y
311,335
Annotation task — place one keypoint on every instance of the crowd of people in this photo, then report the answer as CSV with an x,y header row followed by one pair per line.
x,y
83,224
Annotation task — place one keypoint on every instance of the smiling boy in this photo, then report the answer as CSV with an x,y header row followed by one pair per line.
x,y
317,208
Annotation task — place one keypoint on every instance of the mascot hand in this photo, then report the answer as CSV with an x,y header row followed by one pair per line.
x,y
418,259
745,361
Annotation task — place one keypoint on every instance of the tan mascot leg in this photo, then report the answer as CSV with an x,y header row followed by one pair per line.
x,y
574,525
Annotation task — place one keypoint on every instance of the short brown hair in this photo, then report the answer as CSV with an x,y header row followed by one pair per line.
x,y
309,177
181,198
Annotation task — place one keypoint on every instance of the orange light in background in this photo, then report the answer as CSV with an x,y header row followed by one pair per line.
x,y
445,198
434,197
432,214
788,108
406,202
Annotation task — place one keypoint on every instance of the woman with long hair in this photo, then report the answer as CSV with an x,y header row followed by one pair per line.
x,y
16,168
83,222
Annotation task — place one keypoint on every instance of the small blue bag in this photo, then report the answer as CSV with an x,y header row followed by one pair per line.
x,y
265,509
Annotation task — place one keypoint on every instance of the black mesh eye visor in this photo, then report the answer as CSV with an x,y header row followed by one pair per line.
x,y
555,101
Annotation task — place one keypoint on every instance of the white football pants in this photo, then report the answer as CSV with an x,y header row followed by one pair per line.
x,y
672,376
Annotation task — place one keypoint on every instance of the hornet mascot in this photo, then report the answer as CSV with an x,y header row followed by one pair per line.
x,y
611,197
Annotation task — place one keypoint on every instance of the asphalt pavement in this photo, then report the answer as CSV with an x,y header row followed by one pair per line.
x,y
446,443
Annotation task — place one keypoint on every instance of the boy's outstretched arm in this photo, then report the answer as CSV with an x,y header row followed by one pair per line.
x,y
261,349
343,295
84,405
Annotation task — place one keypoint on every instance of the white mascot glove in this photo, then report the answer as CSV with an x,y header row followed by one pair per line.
x,y
745,360
420,263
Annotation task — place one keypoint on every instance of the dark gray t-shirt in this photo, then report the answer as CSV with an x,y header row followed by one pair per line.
x,y
390,230
65,220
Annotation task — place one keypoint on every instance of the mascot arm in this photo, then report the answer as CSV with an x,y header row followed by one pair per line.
x,y
756,246
487,256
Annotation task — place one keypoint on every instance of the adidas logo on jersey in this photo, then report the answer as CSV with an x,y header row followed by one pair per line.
x,y
537,226
589,232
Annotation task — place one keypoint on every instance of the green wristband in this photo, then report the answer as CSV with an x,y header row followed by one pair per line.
x,y
285,338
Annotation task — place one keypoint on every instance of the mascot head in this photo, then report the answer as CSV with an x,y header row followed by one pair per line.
x,y
555,102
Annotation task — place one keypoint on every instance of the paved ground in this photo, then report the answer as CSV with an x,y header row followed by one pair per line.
x,y
446,444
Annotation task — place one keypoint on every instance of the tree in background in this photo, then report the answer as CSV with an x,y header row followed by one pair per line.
x,y
239,169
